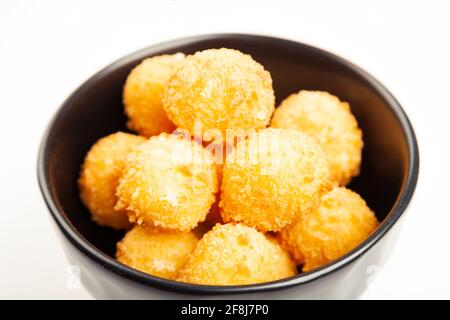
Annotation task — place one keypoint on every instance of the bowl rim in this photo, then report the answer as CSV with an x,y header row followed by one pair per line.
x,y
78,240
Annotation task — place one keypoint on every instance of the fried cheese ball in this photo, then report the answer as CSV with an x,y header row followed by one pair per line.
x,y
330,121
159,253
220,89
273,176
143,93
341,222
99,177
169,182
234,254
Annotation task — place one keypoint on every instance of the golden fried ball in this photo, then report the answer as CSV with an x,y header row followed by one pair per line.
x,y
143,93
234,254
169,182
99,178
159,253
341,222
272,177
330,121
220,89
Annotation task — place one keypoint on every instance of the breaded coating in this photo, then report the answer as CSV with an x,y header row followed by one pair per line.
x,y
330,121
99,177
144,91
159,253
234,254
341,222
272,177
169,182
220,89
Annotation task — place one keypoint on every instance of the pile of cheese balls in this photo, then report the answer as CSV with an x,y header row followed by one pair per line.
x,y
203,206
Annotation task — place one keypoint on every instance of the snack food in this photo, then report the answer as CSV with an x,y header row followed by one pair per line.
x,y
224,200
220,89
143,93
341,222
329,121
99,177
169,182
234,254
272,177
159,253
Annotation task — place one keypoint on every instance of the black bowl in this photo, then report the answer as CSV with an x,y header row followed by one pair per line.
x,y
387,181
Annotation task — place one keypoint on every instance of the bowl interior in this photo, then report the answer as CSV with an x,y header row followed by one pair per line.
x,y
96,110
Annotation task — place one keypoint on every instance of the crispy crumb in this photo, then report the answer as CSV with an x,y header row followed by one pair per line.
x,y
100,174
341,222
271,178
143,93
234,254
220,89
159,253
329,121
169,182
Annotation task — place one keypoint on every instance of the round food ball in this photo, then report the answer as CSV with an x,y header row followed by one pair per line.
x,y
272,177
220,89
341,222
100,174
234,254
169,182
143,93
159,253
330,121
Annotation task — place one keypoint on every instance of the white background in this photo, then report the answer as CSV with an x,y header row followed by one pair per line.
x,y
47,48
